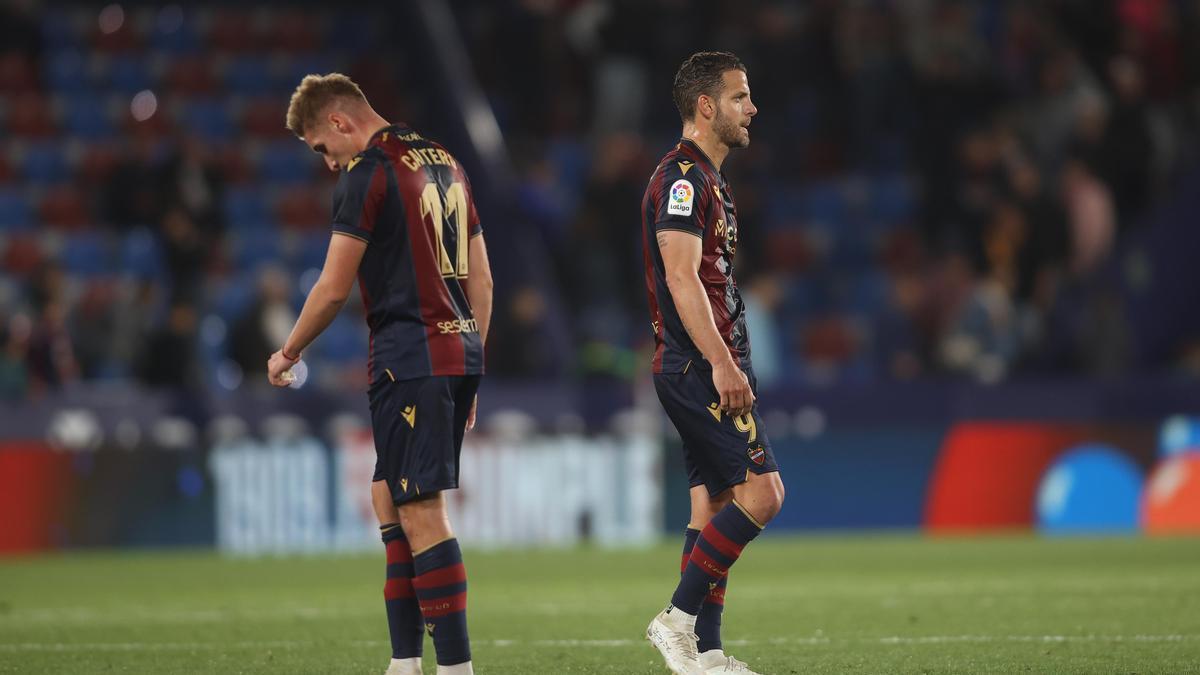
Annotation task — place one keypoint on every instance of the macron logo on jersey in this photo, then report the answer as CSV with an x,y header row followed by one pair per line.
x,y
680,199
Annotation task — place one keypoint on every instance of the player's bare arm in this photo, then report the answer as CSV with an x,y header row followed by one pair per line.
x,y
479,294
681,254
322,305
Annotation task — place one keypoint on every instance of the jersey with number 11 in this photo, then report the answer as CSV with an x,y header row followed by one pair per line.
x,y
410,200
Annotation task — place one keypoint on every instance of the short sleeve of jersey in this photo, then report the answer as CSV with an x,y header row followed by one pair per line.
x,y
680,200
474,227
358,197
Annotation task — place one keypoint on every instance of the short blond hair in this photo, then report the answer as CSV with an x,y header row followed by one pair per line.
x,y
313,96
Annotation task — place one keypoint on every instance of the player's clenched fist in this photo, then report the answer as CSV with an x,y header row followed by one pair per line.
x,y
277,366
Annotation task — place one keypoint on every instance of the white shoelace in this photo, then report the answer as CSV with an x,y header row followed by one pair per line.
x,y
732,665
686,643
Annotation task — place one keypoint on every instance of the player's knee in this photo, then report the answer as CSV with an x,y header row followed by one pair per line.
x,y
770,497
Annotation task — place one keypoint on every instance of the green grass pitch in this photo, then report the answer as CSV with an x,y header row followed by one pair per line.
x,y
881,604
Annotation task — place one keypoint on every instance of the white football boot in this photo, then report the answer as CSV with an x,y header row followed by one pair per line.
x,y
456,669
715,661
405,666
673,633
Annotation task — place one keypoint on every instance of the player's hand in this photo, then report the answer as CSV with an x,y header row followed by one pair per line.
x,y
277,365
733,387
471,415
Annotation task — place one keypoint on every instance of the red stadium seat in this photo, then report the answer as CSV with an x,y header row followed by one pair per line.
x,y
31,116
292,32
300,208
236,32
16,74
64,207
265,118
192,75
97,162
22,256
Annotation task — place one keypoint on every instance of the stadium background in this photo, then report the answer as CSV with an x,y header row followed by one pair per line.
x,y
968,258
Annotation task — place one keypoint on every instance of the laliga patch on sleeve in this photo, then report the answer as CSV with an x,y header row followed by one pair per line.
x,y
679,199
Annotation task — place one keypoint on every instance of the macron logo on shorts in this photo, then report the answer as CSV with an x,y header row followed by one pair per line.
x,y
679,202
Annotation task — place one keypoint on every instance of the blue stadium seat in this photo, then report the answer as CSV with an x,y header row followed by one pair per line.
x,y
128,74
825,203
141,256
344,341
310,254
785,206
60,30
85,254
350,32
16,213
248,75
286,163
869,293
208,118
234,296
66,72
87,117
892,200
246,208
176,39
45,163
253,248
297,68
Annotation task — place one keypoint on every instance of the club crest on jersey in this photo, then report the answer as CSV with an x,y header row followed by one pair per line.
x,y
680,198
757,455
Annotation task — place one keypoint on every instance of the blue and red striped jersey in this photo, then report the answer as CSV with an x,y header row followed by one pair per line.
x,y
410,200
688,193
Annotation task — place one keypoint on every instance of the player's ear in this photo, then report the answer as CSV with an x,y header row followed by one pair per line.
x,y
706,106
339,121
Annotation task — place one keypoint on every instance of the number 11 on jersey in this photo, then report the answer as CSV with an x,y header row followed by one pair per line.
x,y
451,210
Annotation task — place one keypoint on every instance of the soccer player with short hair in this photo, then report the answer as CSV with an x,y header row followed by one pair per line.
x,y
702,370
404,224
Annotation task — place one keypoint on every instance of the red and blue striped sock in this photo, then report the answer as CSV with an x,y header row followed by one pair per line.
x,y
708,622
441,586
717,548
403,613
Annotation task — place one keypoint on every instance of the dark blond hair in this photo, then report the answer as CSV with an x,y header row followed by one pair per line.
x,y
314,95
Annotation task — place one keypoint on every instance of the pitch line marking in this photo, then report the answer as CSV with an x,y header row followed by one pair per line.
x,y
811,641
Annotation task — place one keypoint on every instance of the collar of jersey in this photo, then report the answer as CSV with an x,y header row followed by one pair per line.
x,y
703,156
375,137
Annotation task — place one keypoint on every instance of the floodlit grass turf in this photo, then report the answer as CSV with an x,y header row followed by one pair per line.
x,y
867,604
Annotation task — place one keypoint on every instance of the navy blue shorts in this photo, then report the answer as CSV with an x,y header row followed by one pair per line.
x,y
718,449
419,426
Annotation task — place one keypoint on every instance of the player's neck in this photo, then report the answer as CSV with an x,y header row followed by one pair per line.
x,y
707,141
372,126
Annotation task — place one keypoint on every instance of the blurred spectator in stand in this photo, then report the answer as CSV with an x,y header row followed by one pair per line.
x,y
19,29
517,345
193,182
51,356
763,297
1091,216
263,327
187,250
14,357
132,195
92,326
169,358
1047,241
1128,159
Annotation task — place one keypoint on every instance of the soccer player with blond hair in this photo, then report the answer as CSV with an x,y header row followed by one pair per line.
x,y
405,225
